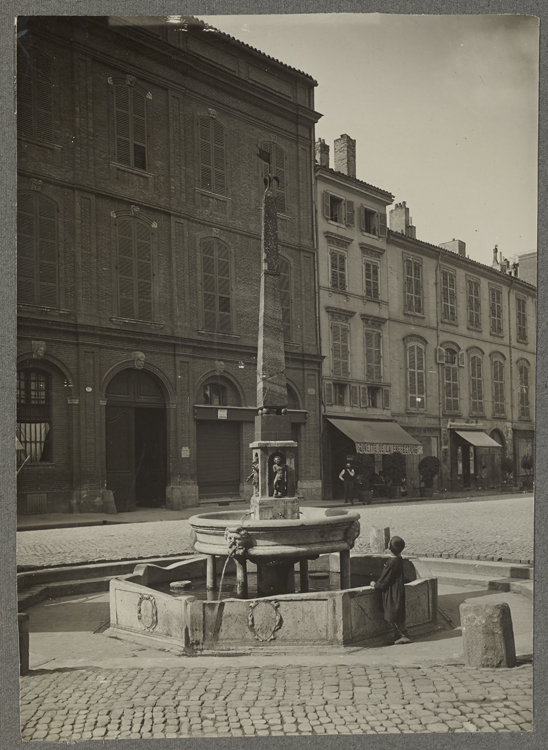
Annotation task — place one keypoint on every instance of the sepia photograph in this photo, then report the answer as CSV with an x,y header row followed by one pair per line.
x,y
275,375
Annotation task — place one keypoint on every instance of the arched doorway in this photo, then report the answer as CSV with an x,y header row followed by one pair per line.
x,y
136,452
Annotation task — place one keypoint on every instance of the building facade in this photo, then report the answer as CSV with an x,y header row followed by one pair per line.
x,y
427,352
139,252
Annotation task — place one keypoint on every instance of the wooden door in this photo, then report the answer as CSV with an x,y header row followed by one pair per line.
x,y
218,459
120,423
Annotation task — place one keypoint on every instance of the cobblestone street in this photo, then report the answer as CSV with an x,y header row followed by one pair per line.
x,y
197,702
471,530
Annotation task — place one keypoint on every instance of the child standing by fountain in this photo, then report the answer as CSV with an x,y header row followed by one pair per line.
x,y
391,585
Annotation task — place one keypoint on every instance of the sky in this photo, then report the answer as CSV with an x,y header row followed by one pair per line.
x,y
444,110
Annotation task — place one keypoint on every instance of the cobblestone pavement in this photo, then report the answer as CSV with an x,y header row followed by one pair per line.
x,y
197,702
500,528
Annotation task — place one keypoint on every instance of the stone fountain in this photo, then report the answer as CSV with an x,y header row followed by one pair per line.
x,y
271,539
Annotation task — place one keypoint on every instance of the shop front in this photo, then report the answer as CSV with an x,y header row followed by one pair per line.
x,y
475,459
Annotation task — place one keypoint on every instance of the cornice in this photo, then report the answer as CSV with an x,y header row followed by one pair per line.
x,y
338,240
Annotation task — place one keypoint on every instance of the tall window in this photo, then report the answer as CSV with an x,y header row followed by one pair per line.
x,y
37,262
499,405
285,296
448,295
413,286
474,304
341,353
451,381
371,279
212,156
34,416
338,270
216,285
373,356
35,96
416,376
523,386
476,384
495,309
521,313
277,158
369,220
131,126
134,241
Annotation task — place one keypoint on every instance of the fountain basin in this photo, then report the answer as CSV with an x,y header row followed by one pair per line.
x,y
187,625
316,532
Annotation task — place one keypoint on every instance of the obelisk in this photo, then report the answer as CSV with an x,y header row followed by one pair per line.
x,y
273,449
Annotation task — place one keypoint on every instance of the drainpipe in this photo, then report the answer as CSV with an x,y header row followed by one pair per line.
x,y
315,235
440,391
511,370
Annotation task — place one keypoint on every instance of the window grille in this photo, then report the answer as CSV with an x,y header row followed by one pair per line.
x,y
34,416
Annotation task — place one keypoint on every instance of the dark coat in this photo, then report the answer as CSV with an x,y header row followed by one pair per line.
x,y
393,591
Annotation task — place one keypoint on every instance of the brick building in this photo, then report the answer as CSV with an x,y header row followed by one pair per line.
x,y
427,352
139,231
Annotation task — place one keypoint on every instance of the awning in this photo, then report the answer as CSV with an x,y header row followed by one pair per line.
x,y
378,437
478,438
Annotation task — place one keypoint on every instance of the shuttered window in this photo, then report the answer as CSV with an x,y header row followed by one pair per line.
x,y
371,279
285,295
131,126
413,286
474,304
35,96
521,313
277,158
341,354
448,295
338,270
495,309
451,381
416,381
134,245
523,386
373,357
212,156
476,385
499,405
216,285
37,250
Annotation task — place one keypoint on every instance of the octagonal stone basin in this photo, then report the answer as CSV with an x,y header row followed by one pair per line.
x,y
316,532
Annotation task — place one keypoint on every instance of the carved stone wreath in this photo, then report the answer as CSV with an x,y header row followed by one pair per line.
x,y
264,619
147,612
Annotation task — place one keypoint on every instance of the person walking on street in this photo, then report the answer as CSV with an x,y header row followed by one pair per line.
x,y
391,585
347,477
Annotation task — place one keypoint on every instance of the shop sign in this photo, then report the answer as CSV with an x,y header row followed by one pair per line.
x,y
413,450
222,413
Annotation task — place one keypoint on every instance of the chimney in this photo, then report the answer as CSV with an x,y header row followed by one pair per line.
x,y
345,155
455,246
495,263
400,221
322,153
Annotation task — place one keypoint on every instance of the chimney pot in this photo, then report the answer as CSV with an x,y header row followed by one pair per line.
x,y
345,155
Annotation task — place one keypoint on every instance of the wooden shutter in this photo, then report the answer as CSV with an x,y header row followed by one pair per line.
x,y
326,204
412,373
143,271
126,298
138,129
24,95
354,400
206,166
328,391
349,213
362,218
440,355
219,182
340,349
382,224
223,287
208,281
37,262
462,361
216,285
386,398
420,365
122,125
373,356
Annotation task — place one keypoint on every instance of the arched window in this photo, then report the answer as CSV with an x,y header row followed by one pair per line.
x,y
134,247
212,156
130,126
34,416
523,386
216,281
476,384
214,394
285,296
35,96
451,381
499,404
277,158
416,376
37,250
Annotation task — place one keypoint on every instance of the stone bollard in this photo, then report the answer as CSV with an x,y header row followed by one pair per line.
x,y
378,540
23,622
487,635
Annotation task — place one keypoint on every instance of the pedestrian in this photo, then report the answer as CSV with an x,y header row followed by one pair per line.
x,y
391,585
347,477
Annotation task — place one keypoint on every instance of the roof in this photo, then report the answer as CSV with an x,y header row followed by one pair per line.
x,y
355,181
